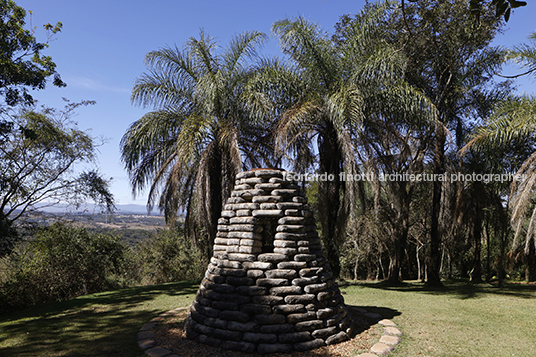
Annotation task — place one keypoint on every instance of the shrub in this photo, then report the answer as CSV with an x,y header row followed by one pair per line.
x,y
165,257
62,262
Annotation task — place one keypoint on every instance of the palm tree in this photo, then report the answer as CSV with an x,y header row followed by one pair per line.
x,y
515,121
208,122
339,94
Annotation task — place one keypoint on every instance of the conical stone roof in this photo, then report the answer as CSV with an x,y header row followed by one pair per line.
x,y
268,287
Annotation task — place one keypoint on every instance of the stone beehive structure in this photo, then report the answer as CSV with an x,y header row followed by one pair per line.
x,y
268,287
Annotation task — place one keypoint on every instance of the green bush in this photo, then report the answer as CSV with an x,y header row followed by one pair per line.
x,y
165,257
60,263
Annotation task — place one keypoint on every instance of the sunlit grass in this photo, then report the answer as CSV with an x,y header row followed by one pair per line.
x,y
103,324
459,320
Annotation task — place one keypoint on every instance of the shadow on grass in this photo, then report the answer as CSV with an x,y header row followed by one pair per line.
x,y
460,288
103,324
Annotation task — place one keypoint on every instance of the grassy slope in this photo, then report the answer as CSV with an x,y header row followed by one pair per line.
x,y
103,324
460,320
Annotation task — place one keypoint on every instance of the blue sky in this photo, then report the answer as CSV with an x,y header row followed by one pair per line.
x,y
100,51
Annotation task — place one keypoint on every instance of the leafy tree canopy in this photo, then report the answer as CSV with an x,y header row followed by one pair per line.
x,y
22,64
39,150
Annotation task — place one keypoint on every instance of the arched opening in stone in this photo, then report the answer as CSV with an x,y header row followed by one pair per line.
x,y
269,226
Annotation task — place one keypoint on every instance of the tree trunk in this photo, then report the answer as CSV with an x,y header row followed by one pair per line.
x,y
433,265
329,195
476,276
400,230
530,258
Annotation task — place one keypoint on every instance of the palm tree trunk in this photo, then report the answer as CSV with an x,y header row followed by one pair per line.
x,y
476,276
329,194
530,257
434,278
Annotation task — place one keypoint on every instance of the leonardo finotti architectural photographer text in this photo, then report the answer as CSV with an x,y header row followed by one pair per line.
x,y
423,177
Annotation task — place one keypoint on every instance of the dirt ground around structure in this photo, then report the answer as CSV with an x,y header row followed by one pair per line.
x,y
170,334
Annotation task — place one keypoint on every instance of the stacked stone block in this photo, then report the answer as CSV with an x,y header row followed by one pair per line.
x,y
268,287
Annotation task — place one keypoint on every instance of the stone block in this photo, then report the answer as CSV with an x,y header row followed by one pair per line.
x,y
291,220
255,273
241,257
267,213
304,257
268,300
271,257
324,332
242,327
256,309
289,308
224,288
268,186
274,348
268,173
390,340
295,337
292,228
256,337
252,290
257,265
291,265
309,272
286,290
227,335
268,206
270,319
308,345
249,250
245,228
245,174
267,282
314,288
295,318
241,346
239,281
323,314
309,325
305,281
243,235
216,323
243,186
238,316
289,236
286,251
339,337
381,349
208,340
288,205
277,328
243,213
279,243
392,331
281,273
299,299
267,199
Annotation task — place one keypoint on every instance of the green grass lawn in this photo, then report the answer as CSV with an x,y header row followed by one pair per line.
x,y
103,324
459,320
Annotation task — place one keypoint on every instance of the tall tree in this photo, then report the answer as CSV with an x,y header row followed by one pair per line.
x,y
349,96
450,59
39,152
514,121
208,122
22,64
